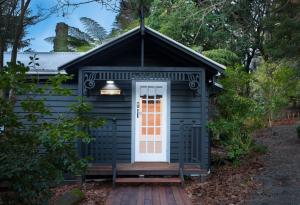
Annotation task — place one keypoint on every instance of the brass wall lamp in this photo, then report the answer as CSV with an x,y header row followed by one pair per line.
x,y
110,88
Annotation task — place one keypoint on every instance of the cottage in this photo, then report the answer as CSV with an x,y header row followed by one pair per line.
x,y
154,93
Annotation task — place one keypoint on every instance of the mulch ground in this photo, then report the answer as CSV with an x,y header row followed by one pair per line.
x,y
226,184
280,178
95,193
272,178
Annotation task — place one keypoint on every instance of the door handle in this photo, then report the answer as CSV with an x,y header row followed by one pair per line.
x,y
137,109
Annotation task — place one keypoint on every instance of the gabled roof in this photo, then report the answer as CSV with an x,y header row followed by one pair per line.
x,y
187,50
137,31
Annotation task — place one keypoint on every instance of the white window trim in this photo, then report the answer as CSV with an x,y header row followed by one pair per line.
x,y
133,114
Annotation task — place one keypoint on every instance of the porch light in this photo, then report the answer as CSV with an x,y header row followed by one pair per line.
x,y
110,89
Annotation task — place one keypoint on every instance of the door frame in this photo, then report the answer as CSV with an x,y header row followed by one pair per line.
x,y
133,114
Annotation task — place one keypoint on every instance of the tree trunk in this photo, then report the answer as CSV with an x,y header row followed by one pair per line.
x,y
19,31
16,44
249,58
1,64
1,54
270,122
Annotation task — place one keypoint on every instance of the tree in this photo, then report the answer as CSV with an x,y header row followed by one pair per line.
x,y
188,23
238,114
247,19
94,29
15,17
128,10
23,9
94,34
274,85
35,153
223,56
129,13
283,28
248,28
64,5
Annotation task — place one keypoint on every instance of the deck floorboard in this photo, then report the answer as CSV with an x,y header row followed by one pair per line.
x,y
146,194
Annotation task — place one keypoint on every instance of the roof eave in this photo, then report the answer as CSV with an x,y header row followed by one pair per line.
x,y
219,67
99,48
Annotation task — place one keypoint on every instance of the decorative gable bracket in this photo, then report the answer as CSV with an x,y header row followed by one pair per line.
x,y
89,78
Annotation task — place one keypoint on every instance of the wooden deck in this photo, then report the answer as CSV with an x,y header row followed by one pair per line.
x,y
145,168
148,195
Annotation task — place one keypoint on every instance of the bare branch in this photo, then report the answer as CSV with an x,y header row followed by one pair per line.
x,y
2,1
64,6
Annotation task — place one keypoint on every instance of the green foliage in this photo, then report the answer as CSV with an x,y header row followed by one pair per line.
x,y
248,28
35,153
241,112
261,149
79,44
238,145
129,15
223,56
188,23
92,35
283,29
239,115
78,192
74,196
208,25
94,29
274,85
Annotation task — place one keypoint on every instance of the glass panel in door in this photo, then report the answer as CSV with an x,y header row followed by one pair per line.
x,y
151,122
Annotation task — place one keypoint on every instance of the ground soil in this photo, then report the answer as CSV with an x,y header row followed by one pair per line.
x,y
227,184
280,178
95,193
272,178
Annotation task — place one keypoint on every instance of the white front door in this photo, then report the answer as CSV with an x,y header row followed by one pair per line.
x,y
151,122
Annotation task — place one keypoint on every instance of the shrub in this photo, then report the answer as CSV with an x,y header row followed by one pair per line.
x,y
238,114
260,149
35,153
274,84
238,146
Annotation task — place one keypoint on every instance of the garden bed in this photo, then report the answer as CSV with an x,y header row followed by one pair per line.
x,y
272,178
256,179
226,184
95,193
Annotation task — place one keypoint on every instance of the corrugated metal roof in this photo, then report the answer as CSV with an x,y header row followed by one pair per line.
x,y
49,61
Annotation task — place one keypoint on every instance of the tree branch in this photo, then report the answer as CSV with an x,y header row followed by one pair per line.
x,y
64,5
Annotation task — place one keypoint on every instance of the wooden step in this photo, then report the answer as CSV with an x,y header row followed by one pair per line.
x,y
145,168
152,180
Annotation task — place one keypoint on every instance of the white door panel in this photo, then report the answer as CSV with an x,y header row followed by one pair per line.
x,y
151,121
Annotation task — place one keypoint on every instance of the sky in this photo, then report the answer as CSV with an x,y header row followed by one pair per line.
x,y
46,28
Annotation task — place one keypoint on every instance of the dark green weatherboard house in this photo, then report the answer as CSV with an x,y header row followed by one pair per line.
x,y
156,116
